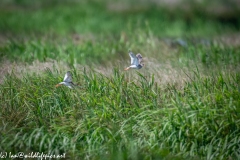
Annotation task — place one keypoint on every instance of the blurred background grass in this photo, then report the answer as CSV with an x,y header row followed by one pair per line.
x,y
96,30
164,18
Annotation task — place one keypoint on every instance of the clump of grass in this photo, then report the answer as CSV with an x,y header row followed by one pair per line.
x,y
112,117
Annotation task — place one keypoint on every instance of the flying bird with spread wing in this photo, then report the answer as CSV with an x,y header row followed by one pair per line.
x,y
136,61
67,81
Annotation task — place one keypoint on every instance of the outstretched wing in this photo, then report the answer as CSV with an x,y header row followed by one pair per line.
x,y
139,57
68,77
134,59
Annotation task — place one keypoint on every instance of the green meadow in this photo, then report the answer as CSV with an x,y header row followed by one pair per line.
x,y
183,104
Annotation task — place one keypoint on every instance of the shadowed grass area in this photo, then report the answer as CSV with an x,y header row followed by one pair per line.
x,y
99,18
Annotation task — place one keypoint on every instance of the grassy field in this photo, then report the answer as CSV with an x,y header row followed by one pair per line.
x,y
183,104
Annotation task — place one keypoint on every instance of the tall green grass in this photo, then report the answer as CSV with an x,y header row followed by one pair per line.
x,y
110,117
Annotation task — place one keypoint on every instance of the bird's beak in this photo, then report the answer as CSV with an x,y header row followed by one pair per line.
x,y
126,69
58,85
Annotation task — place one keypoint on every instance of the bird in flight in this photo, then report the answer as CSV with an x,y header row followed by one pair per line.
x,y
67,81
136,61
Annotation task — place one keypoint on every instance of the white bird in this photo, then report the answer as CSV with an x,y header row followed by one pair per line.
x,y
67,81
136,61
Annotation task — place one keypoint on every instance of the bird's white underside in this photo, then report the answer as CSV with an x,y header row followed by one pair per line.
x,y
69,85
133,66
